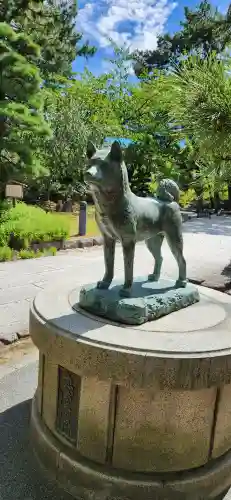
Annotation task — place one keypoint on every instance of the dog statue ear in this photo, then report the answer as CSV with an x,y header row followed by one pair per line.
x,y
91,150
116,152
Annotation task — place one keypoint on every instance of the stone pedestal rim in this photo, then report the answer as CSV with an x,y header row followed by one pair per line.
x,y
56,311
155,369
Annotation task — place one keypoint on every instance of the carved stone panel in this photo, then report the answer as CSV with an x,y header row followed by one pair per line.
x,y
68,404
163,431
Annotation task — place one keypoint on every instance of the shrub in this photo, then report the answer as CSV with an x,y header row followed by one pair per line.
x,y
4,206
30,224
187,197
51,251
27,254
6,253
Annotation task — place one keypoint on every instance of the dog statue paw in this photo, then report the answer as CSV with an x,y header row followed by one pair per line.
x,y
125,292
103,285
153,277
181,283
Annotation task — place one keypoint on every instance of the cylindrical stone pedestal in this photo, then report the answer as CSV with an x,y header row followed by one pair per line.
x,y
132,413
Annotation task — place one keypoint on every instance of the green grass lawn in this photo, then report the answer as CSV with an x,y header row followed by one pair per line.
x,y
73,221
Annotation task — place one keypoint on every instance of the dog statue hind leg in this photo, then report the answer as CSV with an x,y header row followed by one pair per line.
x,y
154,246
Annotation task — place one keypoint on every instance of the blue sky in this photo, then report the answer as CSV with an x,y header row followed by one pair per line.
x,y
135,23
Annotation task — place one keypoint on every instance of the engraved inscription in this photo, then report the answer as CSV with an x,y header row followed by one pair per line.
x,y
68,404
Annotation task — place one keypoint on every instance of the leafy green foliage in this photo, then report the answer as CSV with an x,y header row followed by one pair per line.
x,y
187,197
37,37
25,253
78,112
21,103
198,98
28,254
51,251
139,170
6,254
29,224
55,32
204,30
11,10
51,25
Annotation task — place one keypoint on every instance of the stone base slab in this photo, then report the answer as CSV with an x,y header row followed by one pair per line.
x,y
148,301
89,481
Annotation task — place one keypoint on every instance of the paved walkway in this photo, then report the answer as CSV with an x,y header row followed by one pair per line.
x,y
207,250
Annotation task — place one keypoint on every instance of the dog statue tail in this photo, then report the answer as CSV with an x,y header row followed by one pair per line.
x,y
168,191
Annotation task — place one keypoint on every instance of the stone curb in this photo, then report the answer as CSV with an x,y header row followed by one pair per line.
x,y
223,286
83,243
13,339
187,216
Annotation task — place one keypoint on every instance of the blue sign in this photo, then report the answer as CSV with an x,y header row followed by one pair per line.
x,y
122,140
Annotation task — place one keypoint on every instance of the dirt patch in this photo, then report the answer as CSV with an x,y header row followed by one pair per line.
x,y
16,350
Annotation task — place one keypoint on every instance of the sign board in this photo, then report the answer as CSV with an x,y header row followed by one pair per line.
x,y
14,191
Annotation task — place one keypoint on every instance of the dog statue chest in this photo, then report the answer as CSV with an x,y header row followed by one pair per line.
x,y
103,219
105,225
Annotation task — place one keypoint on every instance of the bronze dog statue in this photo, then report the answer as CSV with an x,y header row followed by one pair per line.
x,y
123,216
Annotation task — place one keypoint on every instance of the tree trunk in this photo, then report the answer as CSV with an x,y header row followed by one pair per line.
x,y
217,202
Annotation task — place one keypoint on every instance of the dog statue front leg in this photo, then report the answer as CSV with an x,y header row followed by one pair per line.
x,y
109,258
128,253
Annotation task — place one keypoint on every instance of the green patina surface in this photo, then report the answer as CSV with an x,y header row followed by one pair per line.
x,y
123,216
148,300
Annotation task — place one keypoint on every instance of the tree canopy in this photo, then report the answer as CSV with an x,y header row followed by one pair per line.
x,y
52,26
38,43
203,31
179,120
77,112
21,104
198,99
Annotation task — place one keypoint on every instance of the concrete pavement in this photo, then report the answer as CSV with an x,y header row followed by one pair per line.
x,y
207,250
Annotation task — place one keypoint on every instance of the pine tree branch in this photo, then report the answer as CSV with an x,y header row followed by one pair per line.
x,y
7,159
126,119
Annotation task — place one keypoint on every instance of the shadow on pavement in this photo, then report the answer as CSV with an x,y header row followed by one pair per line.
x,y
20,474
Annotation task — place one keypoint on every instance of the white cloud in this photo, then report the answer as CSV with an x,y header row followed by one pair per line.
x,y
136,23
